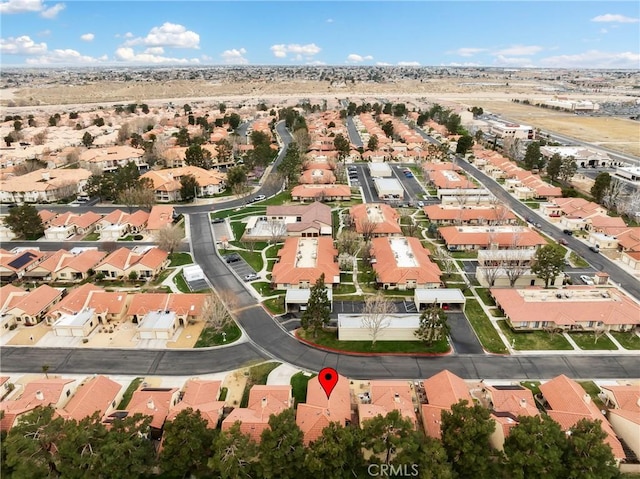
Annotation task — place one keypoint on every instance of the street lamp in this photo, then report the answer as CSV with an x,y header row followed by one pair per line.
x,y
224,337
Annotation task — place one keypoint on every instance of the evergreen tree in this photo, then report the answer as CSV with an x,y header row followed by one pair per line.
x,y
235,455
316,316
433,325
336,454
588,456
188,187
553,167
386,436
548,262
600,186
282,451
532,156
25,222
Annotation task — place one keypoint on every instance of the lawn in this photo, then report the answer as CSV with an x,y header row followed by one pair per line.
x,y
577,261
238,228
534,205
343,288
179,259
534,340
485,295
346,278
180,283
592,390
212,337
330,340
464,254
299,386
484,329
587,341
126,397
162,276
92,237
275,305
256,375
253,259
533,386
272,251
627,340
279,199
265,289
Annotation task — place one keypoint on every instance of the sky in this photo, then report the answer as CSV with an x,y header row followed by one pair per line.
x,y
515,34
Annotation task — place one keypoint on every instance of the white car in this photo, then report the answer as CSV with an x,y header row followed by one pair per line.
x,y
420,204
251,277
586,279
258,198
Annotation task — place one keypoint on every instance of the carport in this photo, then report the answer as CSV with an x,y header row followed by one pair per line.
x,y
297,299
425,297
194,276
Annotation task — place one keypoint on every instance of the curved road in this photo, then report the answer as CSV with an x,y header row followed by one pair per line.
x,y
269,340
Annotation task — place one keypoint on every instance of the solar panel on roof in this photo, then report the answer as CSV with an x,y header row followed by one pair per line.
x,y
21,260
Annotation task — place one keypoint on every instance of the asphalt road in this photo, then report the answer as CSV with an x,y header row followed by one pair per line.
x,y
354,135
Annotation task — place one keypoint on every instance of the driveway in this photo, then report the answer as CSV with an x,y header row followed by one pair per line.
x,y
463,338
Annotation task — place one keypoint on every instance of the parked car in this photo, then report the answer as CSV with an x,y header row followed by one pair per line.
x,y
563,241
586,279
595,249
232,258
568,232
251,277
420,204
259,198
217,220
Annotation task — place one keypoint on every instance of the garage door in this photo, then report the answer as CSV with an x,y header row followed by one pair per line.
x,y
147,335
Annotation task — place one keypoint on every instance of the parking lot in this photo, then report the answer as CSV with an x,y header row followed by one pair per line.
x,y
240,267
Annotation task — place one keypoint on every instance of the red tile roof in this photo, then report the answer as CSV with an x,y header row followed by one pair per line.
x,y
98,394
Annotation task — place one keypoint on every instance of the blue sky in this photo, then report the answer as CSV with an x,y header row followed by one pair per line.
x,y
569,34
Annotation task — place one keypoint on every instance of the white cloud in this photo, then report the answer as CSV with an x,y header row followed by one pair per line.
x,y
167,35
299,51
53,11
126,54
355,58
154,50
383,64
128,35
463,64
234,56
519,50
329,20
22,45
614,18
26,6
593,59
65,56
468,52
409,64
87,37
505,61
316,63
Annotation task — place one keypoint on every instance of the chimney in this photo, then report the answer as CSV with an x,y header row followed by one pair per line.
x,y
263,403
587,398
396,397
39,395
46,175
523,402
151,405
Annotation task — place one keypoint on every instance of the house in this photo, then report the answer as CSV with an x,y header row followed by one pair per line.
x,y
123,262
469,215
153,402
465,196
375,219
44,186
387,396
319,410
301,261
15,263
166,183
41,392
118,224
68,224
98,394
572,308
303,220
160,217
571,211
31,307
67,266
184,308
403,263
263,402
507,404
9,296
304,193
101,160
106,306
509,268
465,238
442,391
624,415
449,179
317,176
567,403
200,395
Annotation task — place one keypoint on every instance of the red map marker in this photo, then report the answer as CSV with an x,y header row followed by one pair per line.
x,y
328,379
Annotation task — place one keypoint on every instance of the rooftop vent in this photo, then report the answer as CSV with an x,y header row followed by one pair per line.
x,y
39,395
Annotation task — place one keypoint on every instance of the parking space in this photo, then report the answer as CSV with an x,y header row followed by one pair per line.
x,y
240,267
197,285
355,307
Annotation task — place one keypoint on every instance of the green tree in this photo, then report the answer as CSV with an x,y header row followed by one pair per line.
x,y
600,186
25,222
259,138
427,455
98,122
235,455
32,444
477,111
465,436
548,262
433,325
372,144
224,149
588,456
236,175
17,125
388,129
198,156
399,109
453,123
387,109
87,139
186,108
126,452
464,144
316,316
182,137
77,452
568,168
386,436
186,445
188,187
532,155
554,166
282,451
234,120
336,454
145,108
535,448
291,164
342,146
53,121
